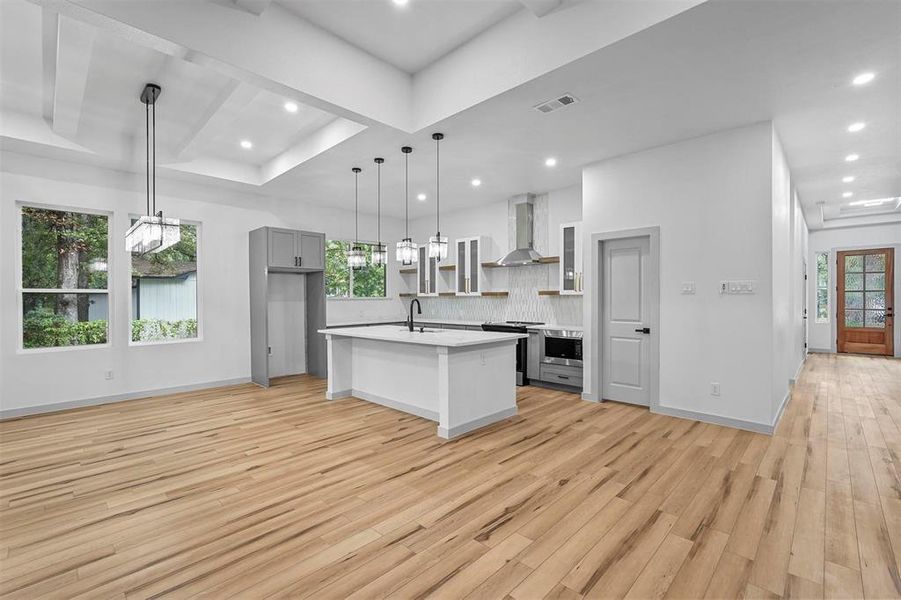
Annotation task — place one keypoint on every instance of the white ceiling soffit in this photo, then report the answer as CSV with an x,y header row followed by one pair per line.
x,y
280,51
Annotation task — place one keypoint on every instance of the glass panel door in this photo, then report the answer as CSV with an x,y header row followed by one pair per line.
x,y
865,319
461,266
433,275
423,257
474,266
568,259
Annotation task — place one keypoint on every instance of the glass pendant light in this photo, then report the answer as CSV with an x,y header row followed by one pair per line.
x,y
407,251
379,252
152,232
438,243
356,258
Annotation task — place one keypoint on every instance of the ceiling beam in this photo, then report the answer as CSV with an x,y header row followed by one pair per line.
x,y
254,7
219,114
49,53
75,46
539,8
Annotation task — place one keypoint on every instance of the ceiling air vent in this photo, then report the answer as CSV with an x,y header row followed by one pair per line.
x,y
552,105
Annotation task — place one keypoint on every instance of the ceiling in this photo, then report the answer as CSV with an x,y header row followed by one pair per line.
x,y
409,37
719,65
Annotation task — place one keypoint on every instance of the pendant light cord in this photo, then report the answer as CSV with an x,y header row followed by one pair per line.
x,y
153,116
406,194
147,153
379,209
438,186
356,204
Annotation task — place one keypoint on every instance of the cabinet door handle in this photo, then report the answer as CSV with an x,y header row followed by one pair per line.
x,y
300,261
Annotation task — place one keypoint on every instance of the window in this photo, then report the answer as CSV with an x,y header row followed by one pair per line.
x,y
64,293
822,287
164,291
343,282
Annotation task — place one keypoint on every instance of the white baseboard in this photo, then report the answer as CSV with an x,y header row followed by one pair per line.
x,y
14,413
338,395
589,397
475,424
425,413
819,350
714,419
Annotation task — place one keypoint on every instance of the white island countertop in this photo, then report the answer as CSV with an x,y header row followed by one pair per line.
x,y
450,338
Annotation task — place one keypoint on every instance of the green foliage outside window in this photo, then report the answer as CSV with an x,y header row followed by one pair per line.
x,y
63,250
343,282
822,314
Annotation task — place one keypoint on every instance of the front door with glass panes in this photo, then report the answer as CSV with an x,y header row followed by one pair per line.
x,y
864,301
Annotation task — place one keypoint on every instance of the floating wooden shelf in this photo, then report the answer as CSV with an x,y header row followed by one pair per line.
x,y
408,270
496,294
548,292
447,268
408,295
447,293
545,260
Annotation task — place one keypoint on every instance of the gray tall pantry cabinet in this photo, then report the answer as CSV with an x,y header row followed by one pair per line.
x,y
280,255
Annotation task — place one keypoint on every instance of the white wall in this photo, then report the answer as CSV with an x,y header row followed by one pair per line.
x,y
36,378
822,335
789,236
712,198
492,220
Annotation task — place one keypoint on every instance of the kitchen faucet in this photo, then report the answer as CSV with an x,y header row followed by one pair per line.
x,y
418,310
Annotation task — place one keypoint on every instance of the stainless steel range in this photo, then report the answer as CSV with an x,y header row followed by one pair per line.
x,y
522,346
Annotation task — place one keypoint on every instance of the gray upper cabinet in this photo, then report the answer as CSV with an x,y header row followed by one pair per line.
x,y
290,249
312,250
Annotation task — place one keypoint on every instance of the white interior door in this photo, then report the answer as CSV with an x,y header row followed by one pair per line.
x,y
626,321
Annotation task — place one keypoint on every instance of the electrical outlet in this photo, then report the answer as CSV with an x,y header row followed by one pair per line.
x,y
108,374
714,389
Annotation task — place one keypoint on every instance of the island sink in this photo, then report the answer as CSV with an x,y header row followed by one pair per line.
x,y
461,379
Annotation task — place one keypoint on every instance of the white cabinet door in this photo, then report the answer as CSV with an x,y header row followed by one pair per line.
x,y
426,273
469,280
571,280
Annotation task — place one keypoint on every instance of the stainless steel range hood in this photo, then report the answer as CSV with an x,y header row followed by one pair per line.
x,y
524,251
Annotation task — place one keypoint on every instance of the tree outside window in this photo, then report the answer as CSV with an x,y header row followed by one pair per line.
x,y
343,282
65,296
822,287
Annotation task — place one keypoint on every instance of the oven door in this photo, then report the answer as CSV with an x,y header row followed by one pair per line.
x,y
562,348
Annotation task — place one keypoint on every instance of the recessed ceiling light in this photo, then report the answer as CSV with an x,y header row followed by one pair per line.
x,y
863,78
291,107
246,144
401,2
855,127
550,162
476,182
847,194
872,202
848,179
851,157
421,197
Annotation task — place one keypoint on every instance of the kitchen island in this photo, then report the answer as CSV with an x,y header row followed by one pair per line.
x,y
461,379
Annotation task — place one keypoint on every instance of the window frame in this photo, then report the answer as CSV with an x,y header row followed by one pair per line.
x,y
350,283
21,290
198,293
816,288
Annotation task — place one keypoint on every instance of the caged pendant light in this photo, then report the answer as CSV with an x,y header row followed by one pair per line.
x,y
407,251
380,251
438,243
356,258
152,232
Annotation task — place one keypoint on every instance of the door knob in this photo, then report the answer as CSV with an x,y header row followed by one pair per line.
x,y
643,330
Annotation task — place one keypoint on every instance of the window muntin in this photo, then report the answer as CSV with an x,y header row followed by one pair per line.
x,y
822,290
342,281
164,303
63,278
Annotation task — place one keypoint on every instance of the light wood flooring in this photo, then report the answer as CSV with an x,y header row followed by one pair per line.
x,y
250,493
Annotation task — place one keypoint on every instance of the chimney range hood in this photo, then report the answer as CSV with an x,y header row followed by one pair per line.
x,y
524,252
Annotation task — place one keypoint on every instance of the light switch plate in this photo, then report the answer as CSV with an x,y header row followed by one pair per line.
x,y
688,287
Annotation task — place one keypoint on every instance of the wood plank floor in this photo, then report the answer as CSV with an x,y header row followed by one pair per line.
x,y
242,492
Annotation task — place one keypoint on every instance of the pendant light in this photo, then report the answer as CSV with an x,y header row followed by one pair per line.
x,y
151,232
356,258
380,252
407,251
437,243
